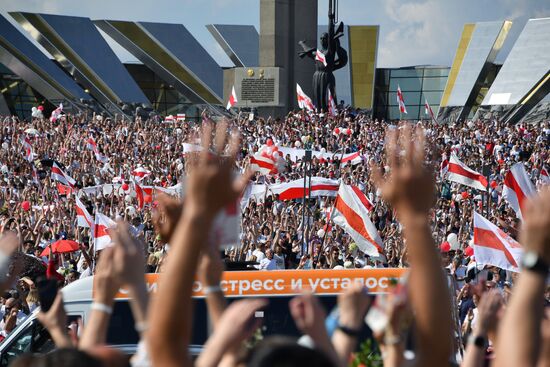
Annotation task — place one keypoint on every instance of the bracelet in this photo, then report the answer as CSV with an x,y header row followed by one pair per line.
x,y
101,307
349,331
212,289
141,327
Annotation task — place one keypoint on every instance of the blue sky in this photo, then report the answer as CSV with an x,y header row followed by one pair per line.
x,y
411,31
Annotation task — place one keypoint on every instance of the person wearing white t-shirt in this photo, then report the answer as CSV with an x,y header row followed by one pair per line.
x,y
268,263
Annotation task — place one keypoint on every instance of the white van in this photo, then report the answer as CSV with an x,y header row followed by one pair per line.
x,y
278,286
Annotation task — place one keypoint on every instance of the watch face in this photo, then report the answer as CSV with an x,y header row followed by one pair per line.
x,y
530,259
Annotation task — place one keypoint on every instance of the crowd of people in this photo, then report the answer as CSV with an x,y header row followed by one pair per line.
x,y
424,220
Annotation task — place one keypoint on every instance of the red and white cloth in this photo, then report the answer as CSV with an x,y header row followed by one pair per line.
x,y
544,177
140,195
84,219
101,236
401,101
140,173
494,247
517,188
56,113
303,100
351,213
353,159
444,167
232,99
428,110
320,56
62,177
261,164
92,145
331,104
180,117
169,118
462,174
27,146
320,186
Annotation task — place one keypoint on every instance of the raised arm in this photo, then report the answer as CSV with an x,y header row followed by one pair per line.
x,y
210,187
105,289
410,189
519,336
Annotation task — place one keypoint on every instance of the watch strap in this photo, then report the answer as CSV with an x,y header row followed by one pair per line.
x,y
539,266
349,331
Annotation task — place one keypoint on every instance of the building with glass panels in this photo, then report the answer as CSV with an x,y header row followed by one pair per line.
x,y
418,84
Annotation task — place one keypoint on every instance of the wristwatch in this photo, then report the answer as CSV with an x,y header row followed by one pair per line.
x,y
533,262
478,341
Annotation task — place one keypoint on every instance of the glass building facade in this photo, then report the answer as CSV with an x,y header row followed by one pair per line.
x,y
19,97
418,84
165,99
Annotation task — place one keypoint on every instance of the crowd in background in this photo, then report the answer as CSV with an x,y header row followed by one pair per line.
x,y
274,234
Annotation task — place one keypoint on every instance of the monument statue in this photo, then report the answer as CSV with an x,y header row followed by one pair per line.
x,y
335,57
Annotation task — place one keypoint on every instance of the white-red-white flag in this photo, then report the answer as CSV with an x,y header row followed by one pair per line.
x,y
92,145
494,247
320,186
320,56
169,118
261,164
351,213
303,100
84,218
444,166
102,238
353,159
428,110
462,174
544,177
140,173
232,99
62,177
517,188
331,104
56,113
180,117
139,195
401,101
27,147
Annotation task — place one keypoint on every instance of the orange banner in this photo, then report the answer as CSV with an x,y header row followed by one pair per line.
x,y
289,282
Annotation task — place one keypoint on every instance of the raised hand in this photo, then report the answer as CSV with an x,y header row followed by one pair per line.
x,y
410,185
129,261
55,321
166,217
106,283
535,231
210,184
353,305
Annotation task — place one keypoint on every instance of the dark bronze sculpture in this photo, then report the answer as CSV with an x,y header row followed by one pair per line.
x,y
335,57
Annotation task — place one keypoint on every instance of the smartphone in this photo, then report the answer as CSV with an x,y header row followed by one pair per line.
x,y
47,291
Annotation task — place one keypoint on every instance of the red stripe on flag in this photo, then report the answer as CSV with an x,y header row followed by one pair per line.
x,y
487,238
459,170
355,221
362,197
298,192
350,158
511,182
260,163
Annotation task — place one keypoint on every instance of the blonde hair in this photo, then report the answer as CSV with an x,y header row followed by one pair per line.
x,y
32,297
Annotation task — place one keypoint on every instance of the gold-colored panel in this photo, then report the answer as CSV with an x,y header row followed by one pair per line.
x,y
535,89
141,39
457,62
363,41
